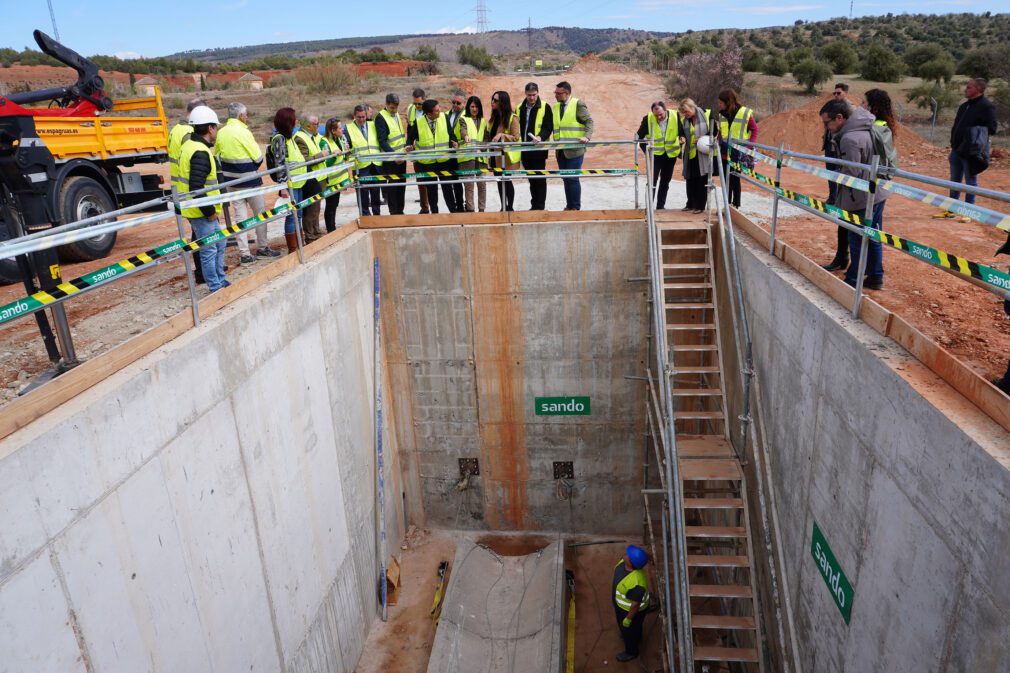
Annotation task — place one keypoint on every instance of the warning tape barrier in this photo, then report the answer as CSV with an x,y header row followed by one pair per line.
x,y
499,171
833,176
945,260
808,201
104,275
757,155
970,210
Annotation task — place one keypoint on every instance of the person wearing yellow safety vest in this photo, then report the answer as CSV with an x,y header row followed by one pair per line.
x,y
431,133
503,127
392,137
536,123
663,128
470,129
364,141
177,135
306,137
240,155
737,122
414,113
336,145
696,153
198,170
572,124
452,118
285,150
631,599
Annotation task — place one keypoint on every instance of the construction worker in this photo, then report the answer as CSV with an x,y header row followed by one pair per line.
x,y
536,123
663,129
392,137
240,154
431,132
736,121
414,112
573,124
364,141
305,137
197,170
336,145
631,599
177,135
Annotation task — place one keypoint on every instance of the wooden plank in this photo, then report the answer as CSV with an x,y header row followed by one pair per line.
x,y
698,416
688,305
691,265
713,503
715,531
684,246
696,392
717,561
689,327
745,654
22,411
703,446
527,216
720,591
683,348
697,469
686,286
743,623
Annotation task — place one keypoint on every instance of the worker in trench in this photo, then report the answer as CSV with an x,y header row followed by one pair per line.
x,y
631,599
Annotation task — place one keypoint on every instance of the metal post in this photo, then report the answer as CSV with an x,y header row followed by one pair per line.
x,y
775,199
635,164
63,334
501,181
187,258
664,513
380,468
865,242
297,215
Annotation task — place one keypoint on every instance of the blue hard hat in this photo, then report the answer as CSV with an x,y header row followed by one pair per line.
x,y
637,556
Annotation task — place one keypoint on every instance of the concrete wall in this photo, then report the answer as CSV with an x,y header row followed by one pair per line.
x,y
481,320
210,508
908,482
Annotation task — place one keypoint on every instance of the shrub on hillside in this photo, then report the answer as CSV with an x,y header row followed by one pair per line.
x,y
945,95
919,54
881,64
937,70
990,62
478,57
752,61
811,73
776,66
798,55
426,52
842,58
1001,99
703,76
326,77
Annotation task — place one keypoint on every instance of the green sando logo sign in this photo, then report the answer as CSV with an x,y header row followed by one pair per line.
x,y
832,573
561,406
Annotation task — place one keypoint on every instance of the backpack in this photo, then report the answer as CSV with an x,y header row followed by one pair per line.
x,y
276,155
883,147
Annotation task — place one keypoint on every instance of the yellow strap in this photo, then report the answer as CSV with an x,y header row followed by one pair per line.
x,y
570,650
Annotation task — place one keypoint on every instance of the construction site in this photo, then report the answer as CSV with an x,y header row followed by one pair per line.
x,y
424,443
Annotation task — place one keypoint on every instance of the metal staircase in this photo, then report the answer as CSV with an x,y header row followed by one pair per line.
x,y
716,536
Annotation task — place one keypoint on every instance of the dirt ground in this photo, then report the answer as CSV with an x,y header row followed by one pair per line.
x,y
966,320
404,642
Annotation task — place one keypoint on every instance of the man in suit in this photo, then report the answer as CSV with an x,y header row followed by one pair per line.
x,y
573,125
452,117
536,123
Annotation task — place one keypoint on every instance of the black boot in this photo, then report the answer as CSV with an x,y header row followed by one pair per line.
x,y
841,260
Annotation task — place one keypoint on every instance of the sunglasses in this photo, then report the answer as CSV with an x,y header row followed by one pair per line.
x,y
837,93
457,103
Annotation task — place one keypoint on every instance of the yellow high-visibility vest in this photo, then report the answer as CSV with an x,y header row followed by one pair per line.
x,y
739,129
176,137
567,127
363,147
669,144
396,138
473,132
428,141
189,149
692,142
338,155
636,578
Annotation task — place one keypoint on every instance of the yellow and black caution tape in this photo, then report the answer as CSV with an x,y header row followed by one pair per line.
x,y
44,297
970,210
942,259
807,201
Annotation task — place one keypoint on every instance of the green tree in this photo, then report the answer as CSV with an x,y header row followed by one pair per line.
x,y
991,62
776,66
798,54
752,61
810,73
945,95
478,57
1001,99
842,58
919,54
426,52
881,64
937,70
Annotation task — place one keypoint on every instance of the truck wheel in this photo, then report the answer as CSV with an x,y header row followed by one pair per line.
x,y
9,272
80,198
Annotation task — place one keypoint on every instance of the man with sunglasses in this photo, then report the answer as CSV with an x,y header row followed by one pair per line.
x,y
452,120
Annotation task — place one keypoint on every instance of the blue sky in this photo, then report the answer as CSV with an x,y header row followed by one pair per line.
x,y
127,27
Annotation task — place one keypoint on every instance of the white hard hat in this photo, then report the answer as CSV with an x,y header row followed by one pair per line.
x,y
704,144
202,114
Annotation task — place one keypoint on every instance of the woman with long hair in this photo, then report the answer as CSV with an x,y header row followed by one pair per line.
x,y
471,129
503,127
283,145
736,121
878,103
695,126
333,138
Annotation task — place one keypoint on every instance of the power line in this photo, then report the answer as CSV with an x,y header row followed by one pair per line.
x,y
481,11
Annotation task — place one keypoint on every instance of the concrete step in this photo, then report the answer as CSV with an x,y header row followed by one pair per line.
x,y
703,446
694,348
706,653
720,591
684,246
694,369
696,392
715,531
684,306
717,561
710,469
689,327
722,622
713,503
687,286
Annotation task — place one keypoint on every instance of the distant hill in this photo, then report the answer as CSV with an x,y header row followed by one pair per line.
x,y
577,40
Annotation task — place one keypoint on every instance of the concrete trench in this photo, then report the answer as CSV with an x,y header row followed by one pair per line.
x,y
212,506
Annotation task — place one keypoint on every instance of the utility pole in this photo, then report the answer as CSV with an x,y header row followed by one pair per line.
x,y
481,11
851,2
52,17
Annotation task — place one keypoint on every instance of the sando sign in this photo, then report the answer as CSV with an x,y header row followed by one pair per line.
x,y
561,406
832,573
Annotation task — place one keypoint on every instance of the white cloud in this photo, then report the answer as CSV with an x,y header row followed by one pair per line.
x,y
777,9
127,55
449,30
